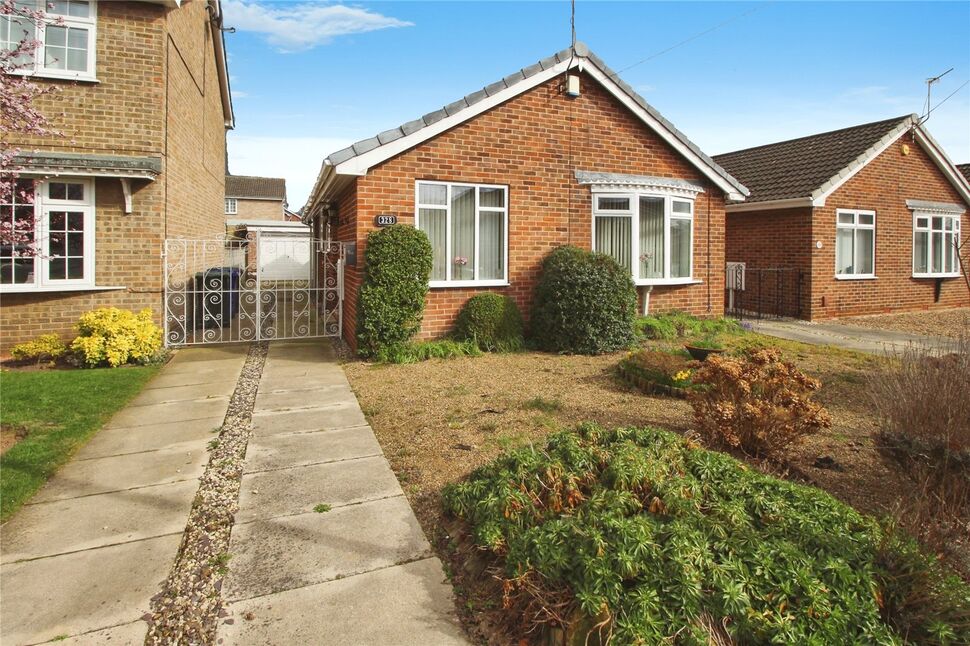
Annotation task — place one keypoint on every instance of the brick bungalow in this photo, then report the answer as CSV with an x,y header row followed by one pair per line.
x,y
561,152
144,92
869,216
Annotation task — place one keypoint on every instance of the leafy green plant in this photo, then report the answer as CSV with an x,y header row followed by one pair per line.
x,y
643,536
652,327
675,323
416,351
493,321
584,303
709,342
322,508
46,347
390,305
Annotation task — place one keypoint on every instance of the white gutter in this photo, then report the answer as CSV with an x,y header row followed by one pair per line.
x,y
222,66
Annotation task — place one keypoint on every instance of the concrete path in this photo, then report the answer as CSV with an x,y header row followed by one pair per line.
x,y
846,336
360,573
83,558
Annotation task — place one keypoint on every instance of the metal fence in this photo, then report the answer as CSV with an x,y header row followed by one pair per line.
x,y
764,293
263,286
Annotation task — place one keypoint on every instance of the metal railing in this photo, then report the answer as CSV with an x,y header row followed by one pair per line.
x,y
764,292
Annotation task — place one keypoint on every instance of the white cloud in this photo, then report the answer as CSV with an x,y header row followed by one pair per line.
x,y
298,159
304,25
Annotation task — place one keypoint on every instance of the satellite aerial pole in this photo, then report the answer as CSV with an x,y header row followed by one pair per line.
x,y
929,87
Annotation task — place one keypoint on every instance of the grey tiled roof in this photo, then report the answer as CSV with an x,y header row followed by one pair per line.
x,y
582,51
594,177
799,167
965,170
266,188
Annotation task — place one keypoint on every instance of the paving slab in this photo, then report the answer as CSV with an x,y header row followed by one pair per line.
x,y
292,399
132,634
298,374
312,419
84,591
407,604
190,377
849,337
211,353
63,526
293,551
115,473
216,366
150,437
301,448
171,412
162,395
299,489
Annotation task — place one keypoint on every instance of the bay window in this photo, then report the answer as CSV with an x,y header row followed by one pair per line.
x,y
467,225
651,236
48,236
855,244
935,240
67,38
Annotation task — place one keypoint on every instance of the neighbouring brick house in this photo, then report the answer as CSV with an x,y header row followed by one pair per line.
x,y
257,198
144,92
561,152
869,216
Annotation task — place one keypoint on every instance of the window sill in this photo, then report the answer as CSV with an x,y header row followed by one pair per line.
x,y
57,76
30,289
859,277
649,282
954,275
441,284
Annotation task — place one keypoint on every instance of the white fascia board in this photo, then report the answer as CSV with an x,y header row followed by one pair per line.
x,y
825,190
960,183
771,205
360,164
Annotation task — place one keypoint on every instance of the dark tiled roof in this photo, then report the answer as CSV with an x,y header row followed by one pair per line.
x,y
582,51
265,188
965,170
799,167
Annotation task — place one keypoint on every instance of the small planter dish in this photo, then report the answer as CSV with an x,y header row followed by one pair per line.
x,y
702,353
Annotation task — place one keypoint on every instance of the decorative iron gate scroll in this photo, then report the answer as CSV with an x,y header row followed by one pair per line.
x,y
264,286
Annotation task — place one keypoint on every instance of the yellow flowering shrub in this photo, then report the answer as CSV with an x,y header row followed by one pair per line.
x,y
45,347
113,336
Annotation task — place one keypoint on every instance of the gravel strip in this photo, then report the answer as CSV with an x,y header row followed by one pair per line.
x,y
190,603
952,323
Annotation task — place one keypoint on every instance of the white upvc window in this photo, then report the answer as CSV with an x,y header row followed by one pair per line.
x,y
231,206
650,235
935,240
67,38
56,249
855,244
468,227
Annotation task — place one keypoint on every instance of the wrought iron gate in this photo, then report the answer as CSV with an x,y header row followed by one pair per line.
x,y
763,293
263,286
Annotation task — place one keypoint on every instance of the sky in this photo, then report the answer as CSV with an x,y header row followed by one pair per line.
x,y
309,78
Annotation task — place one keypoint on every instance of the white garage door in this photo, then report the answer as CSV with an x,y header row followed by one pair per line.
x,y
284,257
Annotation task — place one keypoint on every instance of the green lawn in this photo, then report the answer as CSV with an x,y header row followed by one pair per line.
x,y
61,410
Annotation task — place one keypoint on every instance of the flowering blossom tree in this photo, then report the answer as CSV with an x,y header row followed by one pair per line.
x,y
19,116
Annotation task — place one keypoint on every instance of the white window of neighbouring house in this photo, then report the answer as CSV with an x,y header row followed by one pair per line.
x,y
52,244
67,38
935,240
855,244
649,235
467,225
231,206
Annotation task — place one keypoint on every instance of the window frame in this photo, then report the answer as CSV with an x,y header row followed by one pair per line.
x,y
43,206
855,227
955,232
235,206
38,66
634,213
475,282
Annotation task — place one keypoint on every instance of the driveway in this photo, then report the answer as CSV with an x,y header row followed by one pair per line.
x,y
849,337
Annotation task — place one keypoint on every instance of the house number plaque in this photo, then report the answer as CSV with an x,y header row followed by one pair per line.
x,y
385,220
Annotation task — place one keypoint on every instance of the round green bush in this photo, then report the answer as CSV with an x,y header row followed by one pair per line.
x,y
491,320
390,302
584,303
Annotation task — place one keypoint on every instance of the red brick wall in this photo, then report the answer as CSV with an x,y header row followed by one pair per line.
x,y
883,186
533,143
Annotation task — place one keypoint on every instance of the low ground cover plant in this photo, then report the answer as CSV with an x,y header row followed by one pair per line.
x,y
493,321
657,371
391,299
45,348
755,403
639,536
415,351
670,325
585,303
110,336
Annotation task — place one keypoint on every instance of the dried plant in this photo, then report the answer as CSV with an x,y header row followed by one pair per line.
x,y
756,403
